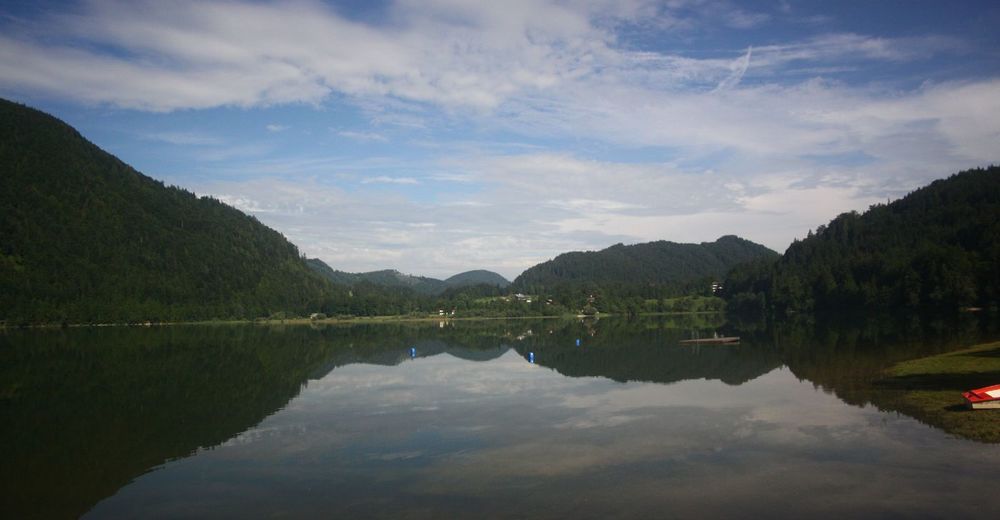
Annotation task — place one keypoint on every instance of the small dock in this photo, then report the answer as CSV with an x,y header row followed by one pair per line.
x,y
722,339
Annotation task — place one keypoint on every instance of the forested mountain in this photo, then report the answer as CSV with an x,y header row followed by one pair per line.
x,y
331,274
937,247
477,277
385,277
394,278
86,238
420,284
661,264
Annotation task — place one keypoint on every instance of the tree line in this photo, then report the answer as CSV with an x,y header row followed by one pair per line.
x,y
938,247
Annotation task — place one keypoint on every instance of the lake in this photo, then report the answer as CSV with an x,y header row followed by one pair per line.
x,y
510,419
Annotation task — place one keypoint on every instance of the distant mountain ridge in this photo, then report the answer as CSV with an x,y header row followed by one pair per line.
x,y
650,263
394,278
476,277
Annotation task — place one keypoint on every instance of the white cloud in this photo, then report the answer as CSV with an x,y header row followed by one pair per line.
x,y
746,130
192,54
462,178
184,138
593,204
816,117
739,68
739,19
246,205
363,136
532,207
383,179
529,66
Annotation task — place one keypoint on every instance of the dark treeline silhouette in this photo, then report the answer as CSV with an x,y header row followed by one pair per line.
x,y
420,284
86,238
938,247
651,266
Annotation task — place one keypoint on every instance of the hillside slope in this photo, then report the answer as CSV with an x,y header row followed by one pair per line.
x,y
394,279
937,247
653,263
86,238
477,277
390,278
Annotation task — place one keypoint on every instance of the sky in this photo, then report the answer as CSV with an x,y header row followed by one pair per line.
x,y
439,136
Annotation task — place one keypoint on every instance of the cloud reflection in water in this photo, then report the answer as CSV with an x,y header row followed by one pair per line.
x,y
441,436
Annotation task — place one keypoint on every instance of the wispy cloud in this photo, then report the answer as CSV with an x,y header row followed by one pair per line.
x,y
520,129
184,138
382,179
363,136
189,54
452,177
740,19
535,206
853,47
739,68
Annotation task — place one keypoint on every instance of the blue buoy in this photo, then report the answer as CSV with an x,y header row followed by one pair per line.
x,y
413,352
578,342
531,357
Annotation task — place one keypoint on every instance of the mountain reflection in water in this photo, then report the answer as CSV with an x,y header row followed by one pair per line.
x,y
259,421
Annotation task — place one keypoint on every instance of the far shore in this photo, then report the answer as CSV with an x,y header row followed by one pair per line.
x,y
344,320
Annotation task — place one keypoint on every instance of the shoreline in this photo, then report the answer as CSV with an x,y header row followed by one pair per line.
x,y
337,321
930,390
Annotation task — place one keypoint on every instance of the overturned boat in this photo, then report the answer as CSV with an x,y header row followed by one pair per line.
x,y
986,397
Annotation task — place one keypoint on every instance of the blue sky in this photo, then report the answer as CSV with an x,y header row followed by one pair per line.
x,y
437,136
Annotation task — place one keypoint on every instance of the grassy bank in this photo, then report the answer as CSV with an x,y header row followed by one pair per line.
x,y
930,389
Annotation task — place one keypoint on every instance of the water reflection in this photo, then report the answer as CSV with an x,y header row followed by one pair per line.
x,y
642,351
94,408
453,421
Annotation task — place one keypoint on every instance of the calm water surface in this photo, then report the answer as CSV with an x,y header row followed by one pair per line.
x,y
349,422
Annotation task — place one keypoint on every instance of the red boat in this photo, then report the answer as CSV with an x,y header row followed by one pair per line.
x,y
986,397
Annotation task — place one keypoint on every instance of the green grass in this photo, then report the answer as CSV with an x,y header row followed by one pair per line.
x,y
930,389
979,359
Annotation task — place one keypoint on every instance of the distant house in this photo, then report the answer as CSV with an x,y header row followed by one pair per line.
x,y
716,287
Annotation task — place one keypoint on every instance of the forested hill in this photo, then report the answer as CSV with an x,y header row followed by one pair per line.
x,y
477,277
395,279
86,238
658,263
937,247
